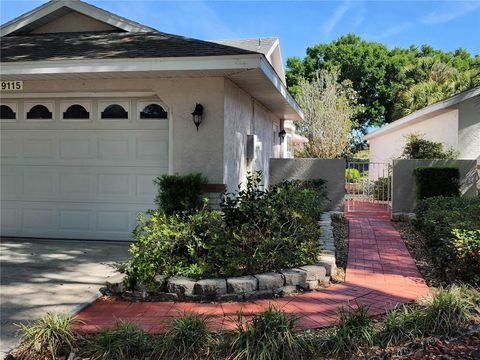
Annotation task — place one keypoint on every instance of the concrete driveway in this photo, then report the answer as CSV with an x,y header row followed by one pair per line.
x,y
39,275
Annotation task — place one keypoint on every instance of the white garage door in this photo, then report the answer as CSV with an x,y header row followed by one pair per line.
x,y
80,168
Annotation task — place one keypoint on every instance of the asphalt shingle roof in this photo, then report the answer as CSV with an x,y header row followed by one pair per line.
x,y
261,45
108,45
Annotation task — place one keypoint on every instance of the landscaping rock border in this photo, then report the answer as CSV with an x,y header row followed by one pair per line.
x,y
285,281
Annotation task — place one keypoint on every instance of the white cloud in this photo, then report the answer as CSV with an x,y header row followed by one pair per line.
x,y
337,16
452,11
392,31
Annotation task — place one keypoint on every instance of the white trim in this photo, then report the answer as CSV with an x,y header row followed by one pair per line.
x,y
78,95
104,103
132,65
418,115
78,6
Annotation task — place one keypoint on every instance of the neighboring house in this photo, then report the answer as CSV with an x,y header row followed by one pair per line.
x,y
454,122
95,106
293,141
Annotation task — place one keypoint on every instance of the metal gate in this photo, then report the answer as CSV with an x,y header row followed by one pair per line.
x,y
368,186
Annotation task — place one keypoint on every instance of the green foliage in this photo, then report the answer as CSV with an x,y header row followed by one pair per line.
x,y
352,332
258,231
436,180
451,226
270,335
401,324
187,338
382,189
328,106
127,341
389,83
179,193
352,175
417,147
52,335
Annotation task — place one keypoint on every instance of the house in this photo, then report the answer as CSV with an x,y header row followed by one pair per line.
x,y
95,106
454,122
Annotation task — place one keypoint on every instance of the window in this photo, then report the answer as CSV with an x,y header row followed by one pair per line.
x,y
39,112
7,113
76,111
114,111
153,111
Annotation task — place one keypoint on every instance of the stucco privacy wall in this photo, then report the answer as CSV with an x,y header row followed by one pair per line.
x,y
440,128
403,181
193,151
469,128
331,170
244,116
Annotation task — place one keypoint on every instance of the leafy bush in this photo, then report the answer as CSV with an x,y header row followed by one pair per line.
x,y
381,189
269,335
437,181
451,227
52,335
188,337
352,175
127,341
418,147
179,193
259,230
352,332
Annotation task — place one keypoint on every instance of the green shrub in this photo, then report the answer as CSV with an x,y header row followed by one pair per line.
x,y
451,227
269,335
352,175
179,193
187,337
52,335
351,333
401,324
436,181
419,148
258,231
127,341
382,189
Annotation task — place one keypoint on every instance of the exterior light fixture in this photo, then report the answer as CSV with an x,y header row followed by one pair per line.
x,y
197,115
282,134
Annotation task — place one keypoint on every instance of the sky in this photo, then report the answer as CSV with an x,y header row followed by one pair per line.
x,y
446,25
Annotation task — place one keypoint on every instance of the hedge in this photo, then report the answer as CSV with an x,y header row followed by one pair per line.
x,y
437,181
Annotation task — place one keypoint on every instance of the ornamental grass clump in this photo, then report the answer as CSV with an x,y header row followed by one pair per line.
x,y
125,342
352,332
270,335
401,324
187,338
50,336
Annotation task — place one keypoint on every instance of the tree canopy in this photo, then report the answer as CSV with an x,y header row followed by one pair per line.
x,y
389,83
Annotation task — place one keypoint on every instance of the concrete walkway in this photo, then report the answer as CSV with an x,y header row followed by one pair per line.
x,y
50,275
380,273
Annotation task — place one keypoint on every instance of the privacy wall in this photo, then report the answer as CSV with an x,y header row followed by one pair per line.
x,y
403,182
330,170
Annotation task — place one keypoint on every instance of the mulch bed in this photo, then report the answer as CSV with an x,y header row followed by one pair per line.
x,y
417,247
340,235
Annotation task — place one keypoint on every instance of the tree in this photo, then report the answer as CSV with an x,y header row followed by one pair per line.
x,y
384,79
328,107
417,147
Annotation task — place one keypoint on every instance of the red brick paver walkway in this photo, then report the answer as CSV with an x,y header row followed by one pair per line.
x,y
380,273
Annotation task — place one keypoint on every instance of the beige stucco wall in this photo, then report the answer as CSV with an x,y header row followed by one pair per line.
x,y
73,22
193,151
440,128
245,116
469,129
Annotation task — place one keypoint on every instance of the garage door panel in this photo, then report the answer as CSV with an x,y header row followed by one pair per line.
x,y
79,179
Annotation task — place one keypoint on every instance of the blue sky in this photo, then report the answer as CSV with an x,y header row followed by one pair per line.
x,y
442,24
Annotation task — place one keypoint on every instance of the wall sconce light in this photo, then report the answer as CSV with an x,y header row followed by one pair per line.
x,y
282,134
197,115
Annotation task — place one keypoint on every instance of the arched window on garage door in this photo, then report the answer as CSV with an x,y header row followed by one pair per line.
x,y
114,111
39,112
76,111
153,111
7,113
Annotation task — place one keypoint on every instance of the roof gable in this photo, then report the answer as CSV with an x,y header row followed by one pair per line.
x,y
57,12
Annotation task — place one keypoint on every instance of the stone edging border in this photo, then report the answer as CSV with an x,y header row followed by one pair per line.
x,y
266,285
